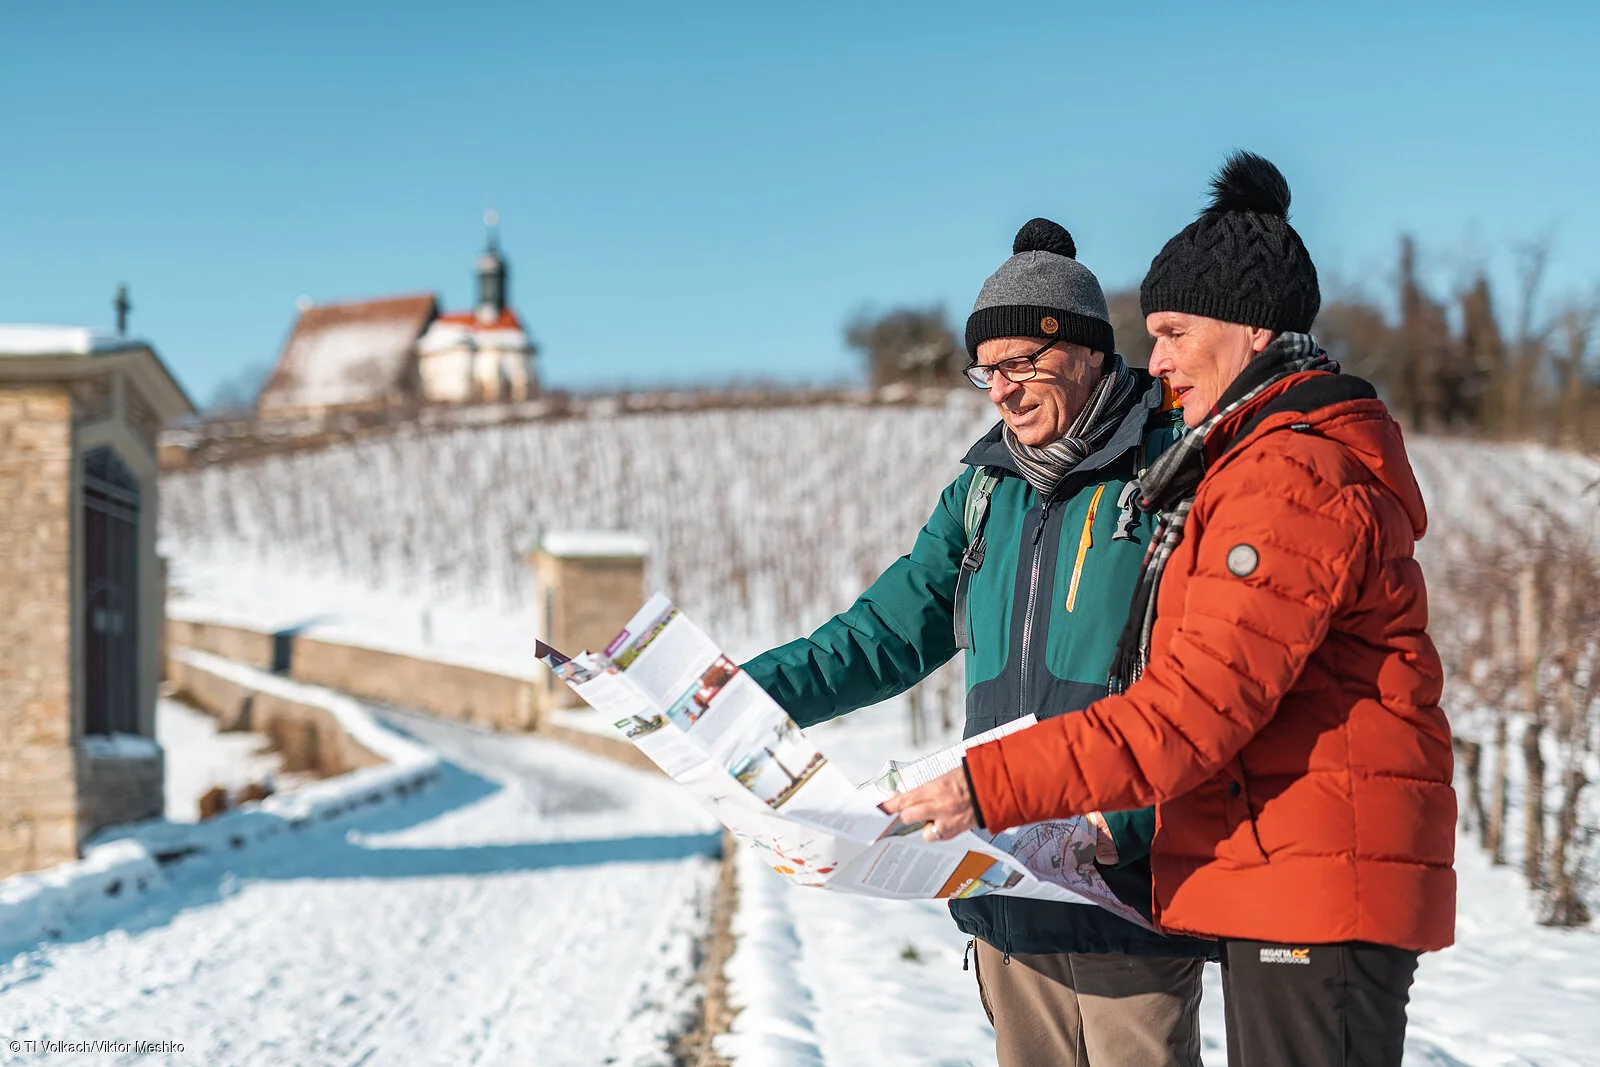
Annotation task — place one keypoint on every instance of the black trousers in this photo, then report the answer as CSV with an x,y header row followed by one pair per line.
x,y
1341,1005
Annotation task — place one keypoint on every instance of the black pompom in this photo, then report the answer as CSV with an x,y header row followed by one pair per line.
x,y
1247,182
1042,235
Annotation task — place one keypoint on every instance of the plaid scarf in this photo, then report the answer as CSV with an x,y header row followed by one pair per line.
x,y
1102,412
1168,488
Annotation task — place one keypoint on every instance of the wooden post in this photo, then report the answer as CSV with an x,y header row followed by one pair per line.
x,y
1533,731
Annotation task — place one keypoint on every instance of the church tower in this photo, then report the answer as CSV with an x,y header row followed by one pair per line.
x,y
492,274
483,355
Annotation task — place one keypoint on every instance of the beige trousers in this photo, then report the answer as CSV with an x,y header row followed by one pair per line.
x,y
1081,1010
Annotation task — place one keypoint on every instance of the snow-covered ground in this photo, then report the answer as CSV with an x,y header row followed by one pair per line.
x,y
1510,993
536,905
496,918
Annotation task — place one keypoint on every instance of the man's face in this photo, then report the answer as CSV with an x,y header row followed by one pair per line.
x,y
1041,409
1200,357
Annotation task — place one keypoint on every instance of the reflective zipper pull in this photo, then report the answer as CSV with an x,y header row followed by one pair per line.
x,y
970,942
1085,542
1044,517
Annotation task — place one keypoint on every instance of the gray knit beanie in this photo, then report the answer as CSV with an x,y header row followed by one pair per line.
x,y
1042,291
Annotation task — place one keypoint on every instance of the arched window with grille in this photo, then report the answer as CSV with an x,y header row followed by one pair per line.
x,y
111,594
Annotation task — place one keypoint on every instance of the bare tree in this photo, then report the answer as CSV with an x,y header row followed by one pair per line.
x,y
1517,391
1127,323
235,396
907,345
1575,660
1484,350
1577,383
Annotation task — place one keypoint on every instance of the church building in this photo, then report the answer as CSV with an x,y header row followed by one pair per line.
x,y
402,351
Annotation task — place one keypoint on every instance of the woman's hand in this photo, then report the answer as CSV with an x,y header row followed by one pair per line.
x,y
944,806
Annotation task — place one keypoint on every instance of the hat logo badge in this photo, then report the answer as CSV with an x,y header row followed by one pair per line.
x,y
1049,324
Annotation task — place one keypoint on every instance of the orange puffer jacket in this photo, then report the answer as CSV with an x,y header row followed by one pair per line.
x,y
1288,725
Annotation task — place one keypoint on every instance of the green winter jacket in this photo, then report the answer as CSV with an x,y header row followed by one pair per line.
x,y
1045,609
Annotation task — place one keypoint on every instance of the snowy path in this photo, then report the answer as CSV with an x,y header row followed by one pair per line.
x,y
1509,994
520,912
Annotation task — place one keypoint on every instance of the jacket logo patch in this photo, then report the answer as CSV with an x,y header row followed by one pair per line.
x,y
1299,956
1049,324
1242,561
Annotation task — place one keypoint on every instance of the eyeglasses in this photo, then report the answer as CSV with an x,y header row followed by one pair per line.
x,y
1015,369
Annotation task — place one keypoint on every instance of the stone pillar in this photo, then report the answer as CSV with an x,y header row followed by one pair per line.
x,y
586,586
65,394
38,779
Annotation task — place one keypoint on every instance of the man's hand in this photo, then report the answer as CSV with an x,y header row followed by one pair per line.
x,y
943,806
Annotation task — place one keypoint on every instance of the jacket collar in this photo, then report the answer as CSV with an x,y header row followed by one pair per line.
x,y
990,450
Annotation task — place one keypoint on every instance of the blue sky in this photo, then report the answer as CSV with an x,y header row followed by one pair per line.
x,y
699,192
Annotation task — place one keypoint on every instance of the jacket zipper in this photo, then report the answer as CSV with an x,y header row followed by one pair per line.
x,y
1085,542
1033,596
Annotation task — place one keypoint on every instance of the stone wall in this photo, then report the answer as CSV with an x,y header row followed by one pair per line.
x,y
611,746
38,794
118,790
308,738
230,642
583,603
591,598
465,694
448,690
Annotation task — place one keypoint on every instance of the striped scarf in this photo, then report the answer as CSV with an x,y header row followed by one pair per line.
x,y
1168,488
1108,402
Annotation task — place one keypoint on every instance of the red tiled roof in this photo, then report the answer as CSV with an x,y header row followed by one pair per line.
x,y
507,321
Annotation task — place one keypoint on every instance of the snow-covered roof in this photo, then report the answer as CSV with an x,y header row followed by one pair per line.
x,y
27,339
41,352
593,544
348,353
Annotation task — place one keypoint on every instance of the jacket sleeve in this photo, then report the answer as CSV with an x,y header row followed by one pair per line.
x,y
1237,646
1131,832
892,637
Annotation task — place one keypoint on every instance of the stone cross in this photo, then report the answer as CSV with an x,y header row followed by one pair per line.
x,y
122,306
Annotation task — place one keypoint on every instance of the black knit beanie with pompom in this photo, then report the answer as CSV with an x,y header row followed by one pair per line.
x,y
1042,291
1240,261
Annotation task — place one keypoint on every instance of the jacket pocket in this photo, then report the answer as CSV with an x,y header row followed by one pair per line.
x,y
1243,840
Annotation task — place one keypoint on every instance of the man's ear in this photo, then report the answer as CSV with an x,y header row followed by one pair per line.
x,y
1260,339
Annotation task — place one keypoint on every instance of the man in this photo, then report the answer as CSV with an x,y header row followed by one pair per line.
x,y
1037,588
1286,723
